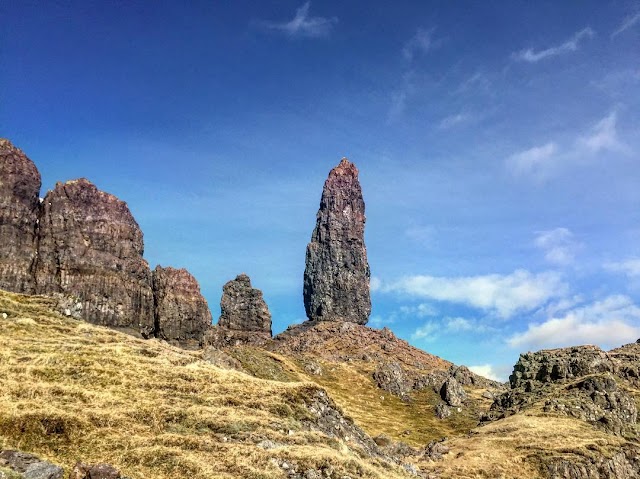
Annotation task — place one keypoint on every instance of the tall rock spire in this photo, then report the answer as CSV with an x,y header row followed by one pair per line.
x,y
336,276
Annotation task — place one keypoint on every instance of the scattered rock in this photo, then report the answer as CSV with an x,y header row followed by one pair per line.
x,y
452,393
442,411
96,471
29,465
19,190
90,248
625,464
181,312
336,276
391,377
220,359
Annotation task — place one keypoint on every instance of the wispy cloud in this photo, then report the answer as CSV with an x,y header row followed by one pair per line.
x,y
303,25
630,267
604,136
536,162
454,120
607,323
420,43
627,23
571,45
503,295
558,245
433,329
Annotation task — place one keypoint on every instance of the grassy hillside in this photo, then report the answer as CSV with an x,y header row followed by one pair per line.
x,y
73,391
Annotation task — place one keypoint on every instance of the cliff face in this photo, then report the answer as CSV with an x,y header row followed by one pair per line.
x,y
19,190
336,276
181,312
90,248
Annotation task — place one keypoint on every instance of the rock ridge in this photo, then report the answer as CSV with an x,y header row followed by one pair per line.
x,y
83,246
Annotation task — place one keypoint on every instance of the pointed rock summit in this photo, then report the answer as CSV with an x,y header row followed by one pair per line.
x,y
336,276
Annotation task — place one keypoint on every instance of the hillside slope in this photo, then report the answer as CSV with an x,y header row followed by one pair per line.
x,y
74,391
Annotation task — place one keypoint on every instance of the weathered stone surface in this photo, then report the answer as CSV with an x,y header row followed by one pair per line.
x,y
91,248
181,312
624,464
19,190
96,471
29,466
336,276
554,365
452,393
391,377
243,308
245,317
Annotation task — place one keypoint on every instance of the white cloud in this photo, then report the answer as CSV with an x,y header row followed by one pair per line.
x,y
421,42
503,295
420,311
302,25
536,162
458,324
558,245
603,136
487,371
427,331
454,120
630,267
607,323
571,45
375,283
627,23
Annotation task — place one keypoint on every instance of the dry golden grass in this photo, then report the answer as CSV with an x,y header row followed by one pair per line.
x,y
72,391
516,447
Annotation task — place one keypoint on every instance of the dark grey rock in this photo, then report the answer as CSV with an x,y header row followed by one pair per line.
x,y
336,276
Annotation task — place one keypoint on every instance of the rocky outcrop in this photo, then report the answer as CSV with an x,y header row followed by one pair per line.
x,y
181,312
245,317
624,464
554,365
336,276
90,248
452,393
19,190
95,471
392,378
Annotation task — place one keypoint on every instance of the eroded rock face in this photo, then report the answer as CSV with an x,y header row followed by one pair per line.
x,y
19,190
336,276
181,312
245,317
554,365
243,307
91,248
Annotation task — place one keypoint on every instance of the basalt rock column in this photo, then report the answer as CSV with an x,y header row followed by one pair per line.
x,y
19,190
181,312
336,276
90,248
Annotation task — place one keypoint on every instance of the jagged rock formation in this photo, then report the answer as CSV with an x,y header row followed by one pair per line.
x,y
336,276
90,247
19,189
581,382
452,393
83,246
245,316
181,312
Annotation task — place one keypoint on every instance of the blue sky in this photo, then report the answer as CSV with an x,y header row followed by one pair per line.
x,y
497,144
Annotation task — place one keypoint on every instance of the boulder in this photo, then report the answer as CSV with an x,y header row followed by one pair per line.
x,y
452,393
90,249
181,312
29,466
336,276
19,190
96,471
